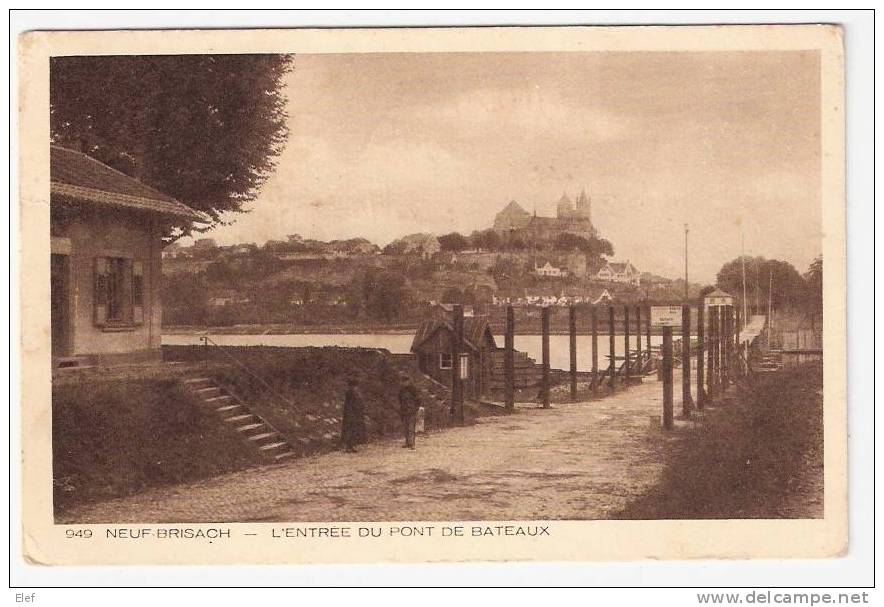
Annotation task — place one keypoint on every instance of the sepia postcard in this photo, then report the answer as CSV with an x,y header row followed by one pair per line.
x,y
439,294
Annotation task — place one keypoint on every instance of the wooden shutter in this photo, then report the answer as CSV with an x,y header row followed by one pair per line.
x,y
138,292
99,295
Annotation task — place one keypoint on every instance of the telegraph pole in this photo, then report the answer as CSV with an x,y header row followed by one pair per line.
x,y
743,260
686,263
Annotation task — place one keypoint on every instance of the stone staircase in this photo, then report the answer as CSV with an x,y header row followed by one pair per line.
x,y
235,414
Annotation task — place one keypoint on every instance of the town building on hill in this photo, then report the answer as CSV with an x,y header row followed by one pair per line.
x,y
513,221
549,270
622,272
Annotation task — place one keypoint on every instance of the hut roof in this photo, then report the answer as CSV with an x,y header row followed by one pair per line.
x,y
474,329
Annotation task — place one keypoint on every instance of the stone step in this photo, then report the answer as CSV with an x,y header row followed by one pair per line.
x,y
249,427
218,400
228,408
272,446
284,455
240,418
208,392
195,382
262,436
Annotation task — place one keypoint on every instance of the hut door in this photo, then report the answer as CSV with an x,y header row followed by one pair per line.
x,y
60,311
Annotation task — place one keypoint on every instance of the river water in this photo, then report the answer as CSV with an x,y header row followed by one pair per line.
x,y
401,344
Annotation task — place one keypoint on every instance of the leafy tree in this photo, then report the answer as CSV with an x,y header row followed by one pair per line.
x,y
571,242
453,242
452,295
487,240
397,247
205,129
515,243
385,294
814,279
185,299
788,285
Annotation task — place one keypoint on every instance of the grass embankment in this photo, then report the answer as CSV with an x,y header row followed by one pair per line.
x,y
304,390
118,437
761,457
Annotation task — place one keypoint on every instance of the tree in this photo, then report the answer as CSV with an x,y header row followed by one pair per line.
x,y
814,279
205,129
487,240
788,285
571,242
385,295
453,242
452,295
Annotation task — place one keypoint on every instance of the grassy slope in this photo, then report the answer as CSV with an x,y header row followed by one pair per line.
x,y
306,389
762,458
119,437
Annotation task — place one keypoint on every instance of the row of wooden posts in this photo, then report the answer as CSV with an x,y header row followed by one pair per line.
x,y
715,355
717,358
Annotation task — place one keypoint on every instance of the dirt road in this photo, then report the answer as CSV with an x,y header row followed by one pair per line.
x,y
575,461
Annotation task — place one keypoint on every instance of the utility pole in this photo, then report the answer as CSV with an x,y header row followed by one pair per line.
x,y
743,260
686,263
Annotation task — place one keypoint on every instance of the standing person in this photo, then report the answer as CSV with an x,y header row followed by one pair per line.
x,y
352,418
409,402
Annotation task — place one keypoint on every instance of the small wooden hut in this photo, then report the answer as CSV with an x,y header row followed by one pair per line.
x,y
432,347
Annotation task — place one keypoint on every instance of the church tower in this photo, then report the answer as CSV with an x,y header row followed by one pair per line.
x,y
584,205
564,206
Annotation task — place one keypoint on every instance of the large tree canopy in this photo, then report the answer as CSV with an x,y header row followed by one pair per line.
x,y
788,287
205,129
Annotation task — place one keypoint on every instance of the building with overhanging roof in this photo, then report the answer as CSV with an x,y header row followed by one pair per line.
x,y
106,242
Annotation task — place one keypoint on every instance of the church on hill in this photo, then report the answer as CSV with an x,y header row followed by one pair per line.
x,y
514,221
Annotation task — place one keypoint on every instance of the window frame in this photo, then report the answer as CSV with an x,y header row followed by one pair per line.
x,y
442,357
119,292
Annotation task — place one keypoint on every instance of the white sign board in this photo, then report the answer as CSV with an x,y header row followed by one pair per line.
x,y
666,316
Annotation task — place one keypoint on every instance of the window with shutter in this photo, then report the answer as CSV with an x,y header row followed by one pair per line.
x,y
137,292
118,300
99,297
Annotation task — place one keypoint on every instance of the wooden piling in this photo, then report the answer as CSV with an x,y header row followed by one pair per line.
x,y
722,350
667,379
728,343
509,397
544,332
710,356
638,340
456,382
627,367
612,346
687,402
648,333
593,319
701,350
572,331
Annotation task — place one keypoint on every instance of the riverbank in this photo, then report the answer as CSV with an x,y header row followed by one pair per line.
x,y
363,329
759,454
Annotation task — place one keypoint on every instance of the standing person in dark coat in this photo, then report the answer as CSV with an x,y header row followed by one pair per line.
x,y
409,403
352,418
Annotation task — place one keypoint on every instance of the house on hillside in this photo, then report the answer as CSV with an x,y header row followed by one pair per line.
x,y
603,298
432,348
106,245
622,272
550,271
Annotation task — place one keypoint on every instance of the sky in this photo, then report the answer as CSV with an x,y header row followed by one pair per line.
x,y
383,145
